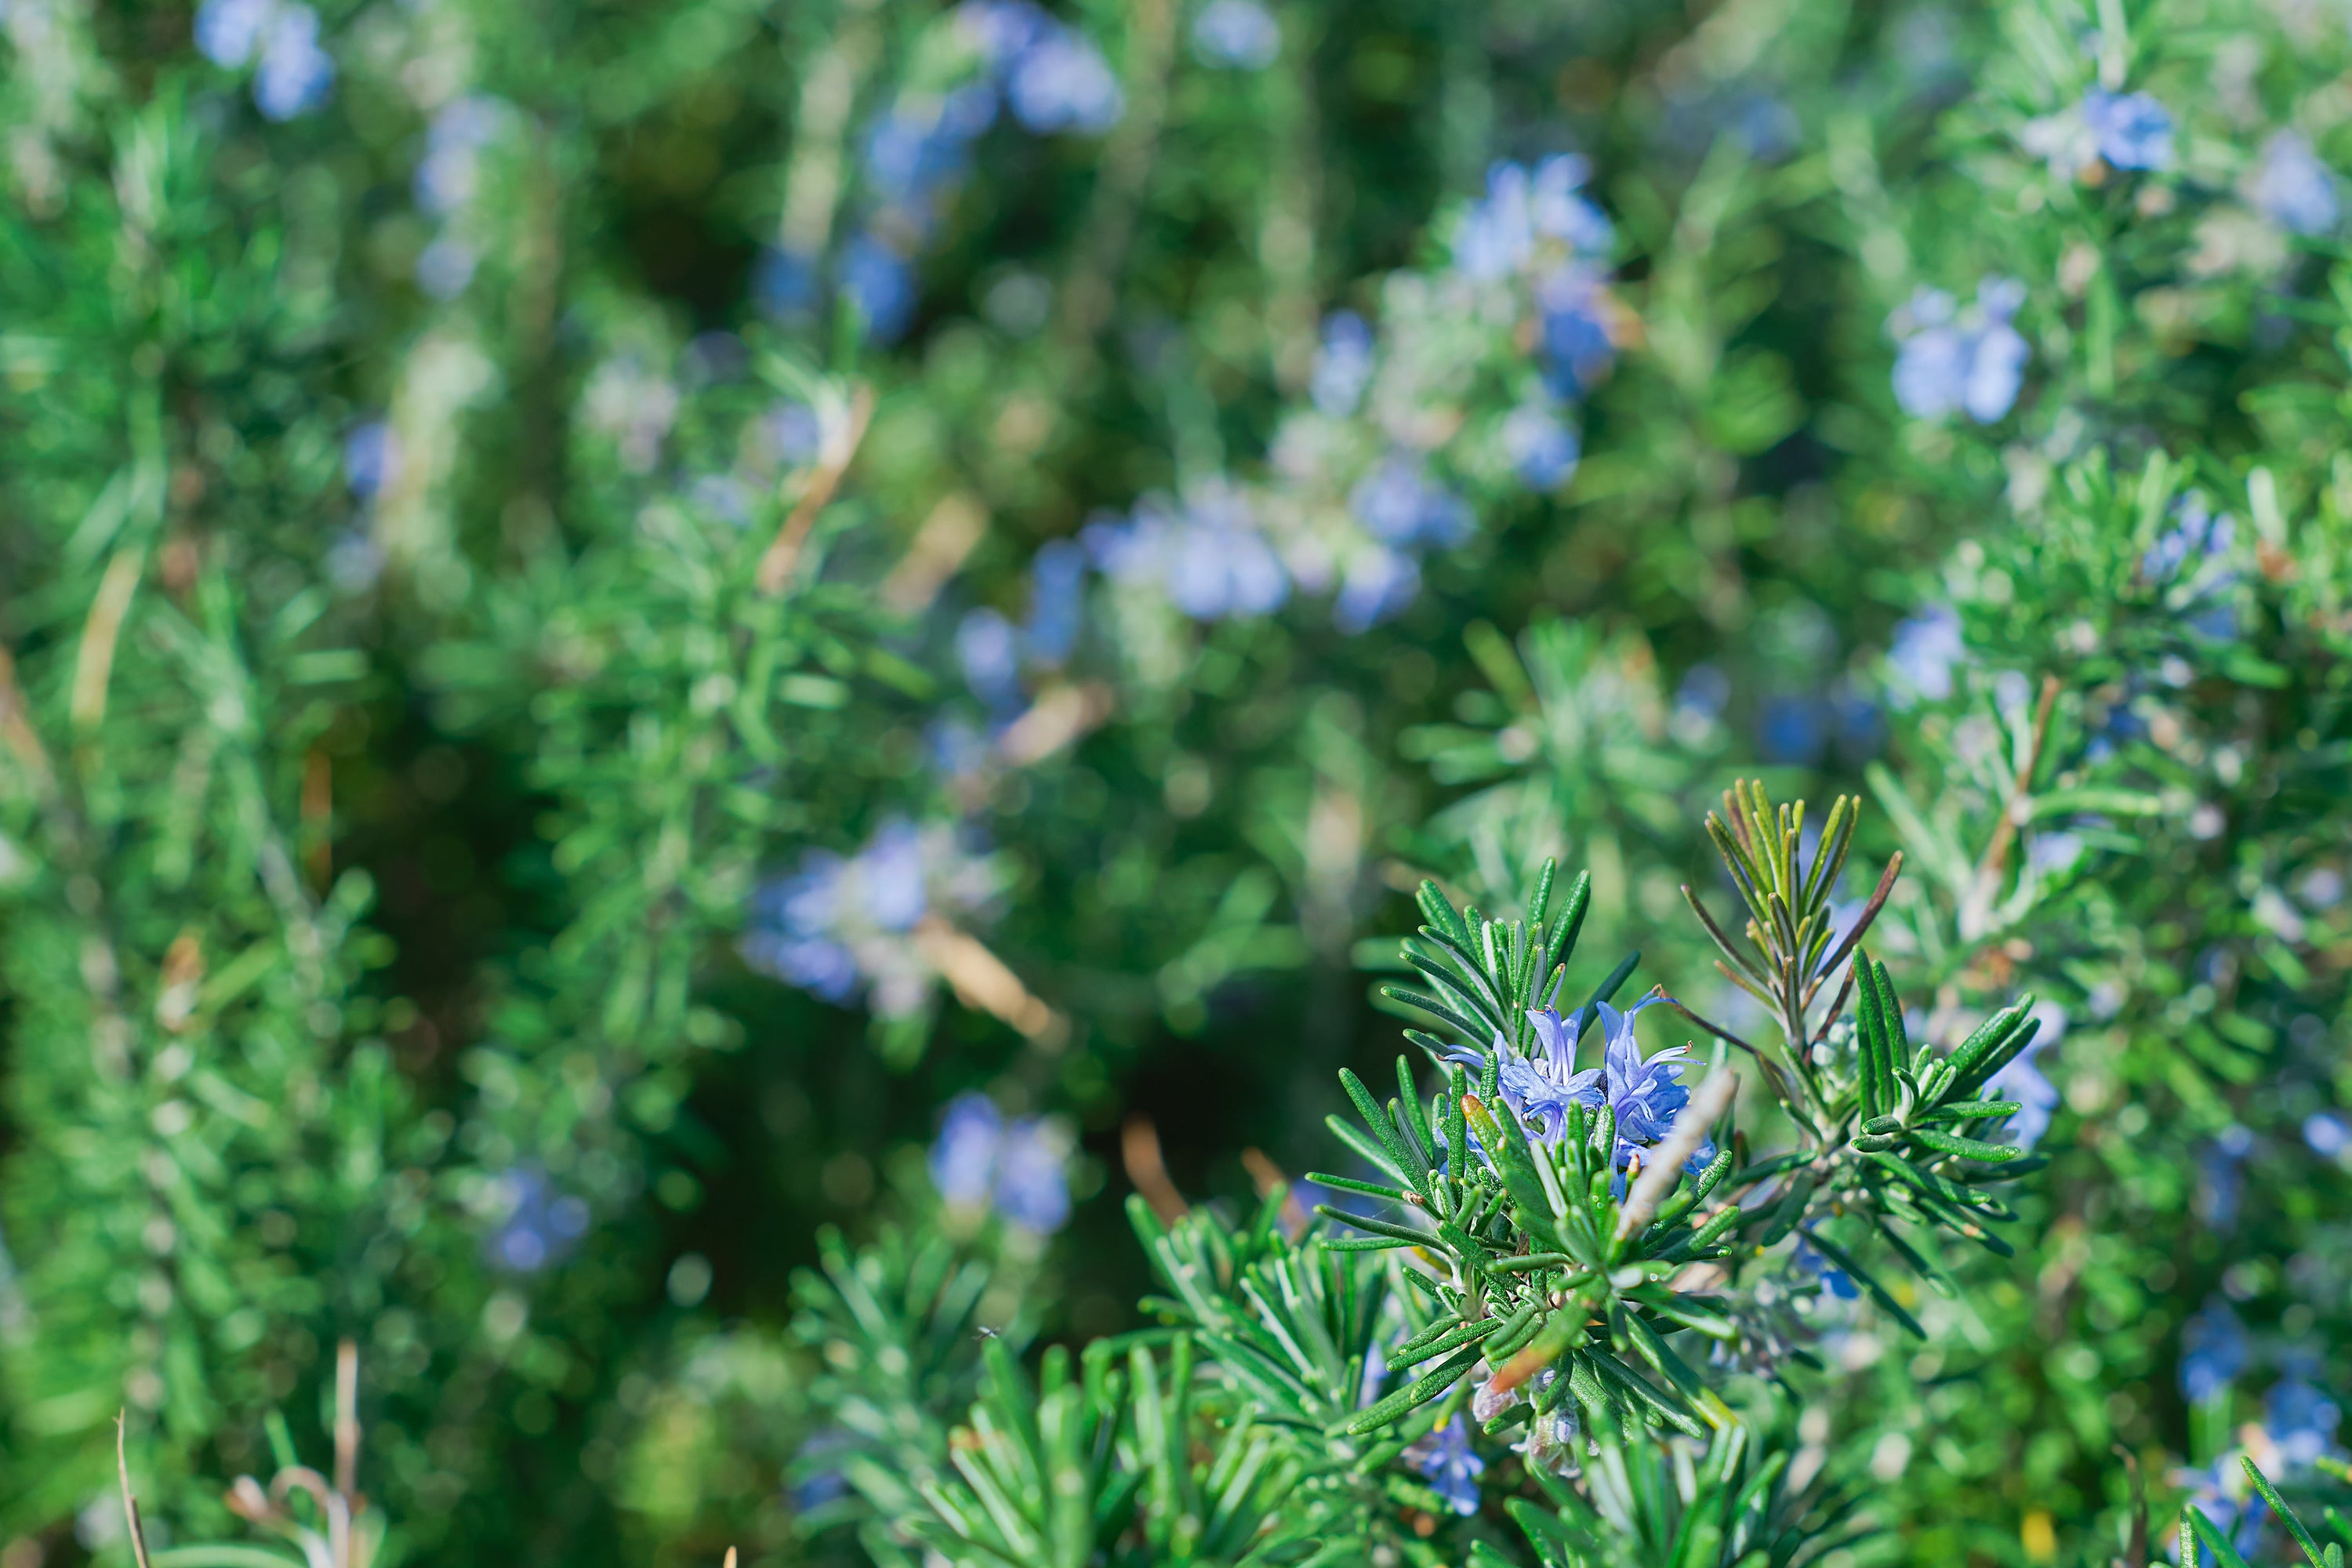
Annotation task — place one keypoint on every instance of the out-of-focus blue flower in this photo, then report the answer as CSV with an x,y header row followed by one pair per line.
x,y
2293,188
1003,30
1810,1265
1400,504
2133,130
1239,34
1646,1094
784,283
1452,1466
1926,648
2326,1133
881,283
2221,1177
2197,534
449,174
990,652
1791,731
539,1223
820,1482
2022,1080
1948,365
1503,233
1343,365
1207,555
2300,1419
1703,690
2053,854
1540,1088
790,918
1543,451
1057,600
980,1160
371,460
295,74
2223,1494
833,924
1061,82
444,266
1576,348
1379,582
228,32
2213,1351
793,431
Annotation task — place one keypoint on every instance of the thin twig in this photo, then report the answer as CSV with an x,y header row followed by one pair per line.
x,y
1138,1151
2004,832
1720,1033
130,1503
784,552
1869,913
347,1417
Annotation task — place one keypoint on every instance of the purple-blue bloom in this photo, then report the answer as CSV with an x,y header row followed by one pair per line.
x,y
2221,1177
1400,504
295,74
982,1161
1542,450
989,650
1809,1264
1540,1088
1646,1094
2133,130
448,173
1061,82
1379,582
371,460
229,31
540,1224
1926,648
1500,235
881,283
1057,584
2326,1133
2213,1352
2293,188
1948,365
2197,535
1452,1466
1239,34
1207,555
2221,1494
1343,365
2301,1419
1576,348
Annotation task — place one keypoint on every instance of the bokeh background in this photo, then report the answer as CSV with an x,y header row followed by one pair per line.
x,y
614,608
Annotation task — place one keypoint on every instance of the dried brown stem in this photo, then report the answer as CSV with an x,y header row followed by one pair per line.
x,y
784,552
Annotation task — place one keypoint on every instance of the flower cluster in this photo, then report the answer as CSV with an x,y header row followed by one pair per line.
x,y
837,926
1953,362
1016,1168
280,38
1467,388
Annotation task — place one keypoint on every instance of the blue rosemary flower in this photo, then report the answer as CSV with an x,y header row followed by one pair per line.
x,y
2293,188
983,1162
835,925
1053,78
1950,363
2221,1176
1540,1088
1926,648
2133,130
2301,1419
1206,553
1504,233
2213,1352
539,1223
1452,1465
293,74
1646,1094
1808,1264
1400,504
1237,34
2197,535
1542,450
2222,1494
1379,582
1343,365
1057,600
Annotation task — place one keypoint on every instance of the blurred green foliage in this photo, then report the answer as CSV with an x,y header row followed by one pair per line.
x,y
488,492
